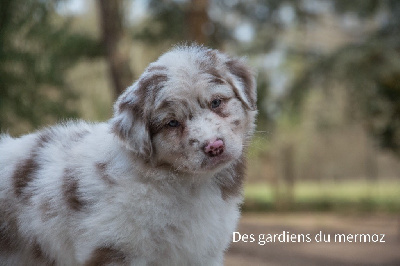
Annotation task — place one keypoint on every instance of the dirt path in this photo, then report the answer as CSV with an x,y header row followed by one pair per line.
x,y
313,253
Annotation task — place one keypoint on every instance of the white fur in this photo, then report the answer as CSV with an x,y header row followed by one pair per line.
x,y
87,187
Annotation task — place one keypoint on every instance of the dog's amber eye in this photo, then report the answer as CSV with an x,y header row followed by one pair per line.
x,y
215,103
173,123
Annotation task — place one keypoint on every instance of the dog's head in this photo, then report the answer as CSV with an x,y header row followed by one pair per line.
x,y
192,110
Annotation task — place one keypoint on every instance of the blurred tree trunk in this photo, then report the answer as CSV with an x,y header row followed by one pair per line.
x,y
198,21
289,172
284,188
371,164
111,17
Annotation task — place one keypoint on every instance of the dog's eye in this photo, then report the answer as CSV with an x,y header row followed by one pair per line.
x,y
174,123
215,103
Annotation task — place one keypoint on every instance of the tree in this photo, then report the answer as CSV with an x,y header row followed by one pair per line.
x,y
111,22
370,70
198,21
179,21
213,22
35,53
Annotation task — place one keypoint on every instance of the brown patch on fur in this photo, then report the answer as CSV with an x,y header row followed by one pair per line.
x,y
221,113
70,188
125,131
102,172
39,255
201,103
128,105
154,80
156,68
203,65
119,129
79,135
218,81
235,89
238,69
174,229
44,138
156,127
193,141
105,256
125,103
23,175
209,61
216,76
212,55
6,241
233,188
166,104
37,250
220,110
236,122
134,105
25,170
9,236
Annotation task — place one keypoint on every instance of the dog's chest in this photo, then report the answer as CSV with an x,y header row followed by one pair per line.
x,y
179,222
199,224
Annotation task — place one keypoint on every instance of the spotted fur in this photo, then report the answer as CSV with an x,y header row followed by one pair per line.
x,y
141,188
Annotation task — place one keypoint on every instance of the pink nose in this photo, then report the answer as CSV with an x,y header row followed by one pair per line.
x,y
214,148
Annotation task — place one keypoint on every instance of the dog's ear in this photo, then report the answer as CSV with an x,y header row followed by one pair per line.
x,y
243,82
129,122
132,113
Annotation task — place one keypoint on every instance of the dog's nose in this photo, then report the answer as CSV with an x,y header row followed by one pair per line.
x,y
214,148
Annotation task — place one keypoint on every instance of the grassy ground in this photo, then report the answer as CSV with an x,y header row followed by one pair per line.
x,y
353,196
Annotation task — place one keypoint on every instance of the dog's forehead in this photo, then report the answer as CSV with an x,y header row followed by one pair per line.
x,y
189,62
198,89
193,73
178,90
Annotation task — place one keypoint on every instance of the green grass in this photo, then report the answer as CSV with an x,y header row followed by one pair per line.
x,y
348,196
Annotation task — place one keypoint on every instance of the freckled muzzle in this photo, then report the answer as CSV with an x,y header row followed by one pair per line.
x,y
214,148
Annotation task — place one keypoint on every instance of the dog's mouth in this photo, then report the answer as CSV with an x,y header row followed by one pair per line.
x,y
213,163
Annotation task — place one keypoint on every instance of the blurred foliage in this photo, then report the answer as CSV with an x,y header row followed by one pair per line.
x,y
266,17
167,21
36,50
363,8
370,70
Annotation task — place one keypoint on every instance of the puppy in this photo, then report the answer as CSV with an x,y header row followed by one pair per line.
x,y
158,184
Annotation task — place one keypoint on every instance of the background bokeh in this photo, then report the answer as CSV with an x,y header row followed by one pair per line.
x,y
327,145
